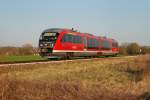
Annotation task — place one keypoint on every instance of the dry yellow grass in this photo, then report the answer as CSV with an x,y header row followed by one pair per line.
x,y
119,78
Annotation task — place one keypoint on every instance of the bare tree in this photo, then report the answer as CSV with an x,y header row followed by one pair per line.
x,y
133,49
27,49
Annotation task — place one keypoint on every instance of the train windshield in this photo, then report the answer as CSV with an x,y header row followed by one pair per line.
x,y
50,36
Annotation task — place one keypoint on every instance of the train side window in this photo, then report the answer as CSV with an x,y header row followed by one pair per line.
x,y
96,43
92,43
72,38
106,45
67,38
77,39
64,38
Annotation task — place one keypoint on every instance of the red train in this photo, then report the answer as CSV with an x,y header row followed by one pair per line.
x,y
66,43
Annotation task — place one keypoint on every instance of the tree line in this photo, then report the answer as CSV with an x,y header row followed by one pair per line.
x,y
133,49
26,49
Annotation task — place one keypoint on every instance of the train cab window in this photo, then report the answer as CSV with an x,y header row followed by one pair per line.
x,y
41,37
49,36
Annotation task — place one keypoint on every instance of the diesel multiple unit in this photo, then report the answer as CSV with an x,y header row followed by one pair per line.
x,y
66,43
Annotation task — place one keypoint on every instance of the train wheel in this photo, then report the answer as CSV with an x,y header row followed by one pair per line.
x,y
115,55
69,55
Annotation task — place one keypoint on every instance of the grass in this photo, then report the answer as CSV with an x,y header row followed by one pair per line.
x,y
125,78
25,58
19,58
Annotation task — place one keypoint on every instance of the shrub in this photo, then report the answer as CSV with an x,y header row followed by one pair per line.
x,y
145,50
26,49
130,49
133,49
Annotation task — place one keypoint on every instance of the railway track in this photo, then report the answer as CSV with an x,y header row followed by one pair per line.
x,y
2,64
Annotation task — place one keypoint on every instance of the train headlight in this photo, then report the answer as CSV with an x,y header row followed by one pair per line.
x,y
41,45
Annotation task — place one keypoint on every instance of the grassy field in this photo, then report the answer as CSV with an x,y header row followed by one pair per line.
x,y
19,58
26,58
125,78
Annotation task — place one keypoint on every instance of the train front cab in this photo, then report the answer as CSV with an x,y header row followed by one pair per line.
x,y
47,42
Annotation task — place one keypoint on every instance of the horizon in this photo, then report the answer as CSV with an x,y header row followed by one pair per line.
x,y
23,21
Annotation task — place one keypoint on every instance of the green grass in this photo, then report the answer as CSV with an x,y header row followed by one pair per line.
x,y
30,58
19,58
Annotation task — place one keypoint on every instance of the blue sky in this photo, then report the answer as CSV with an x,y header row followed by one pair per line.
x,y
22,21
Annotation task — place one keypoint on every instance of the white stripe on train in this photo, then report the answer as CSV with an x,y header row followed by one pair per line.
x,y
110,51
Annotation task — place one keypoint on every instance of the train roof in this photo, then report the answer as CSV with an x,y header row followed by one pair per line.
x,y
58,30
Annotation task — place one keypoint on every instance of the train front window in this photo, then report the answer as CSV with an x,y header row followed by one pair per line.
x,y
41,37
50,36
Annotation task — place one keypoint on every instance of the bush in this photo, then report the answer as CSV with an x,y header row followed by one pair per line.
x,y
133,49
123,50
26,49
145,50
130,49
